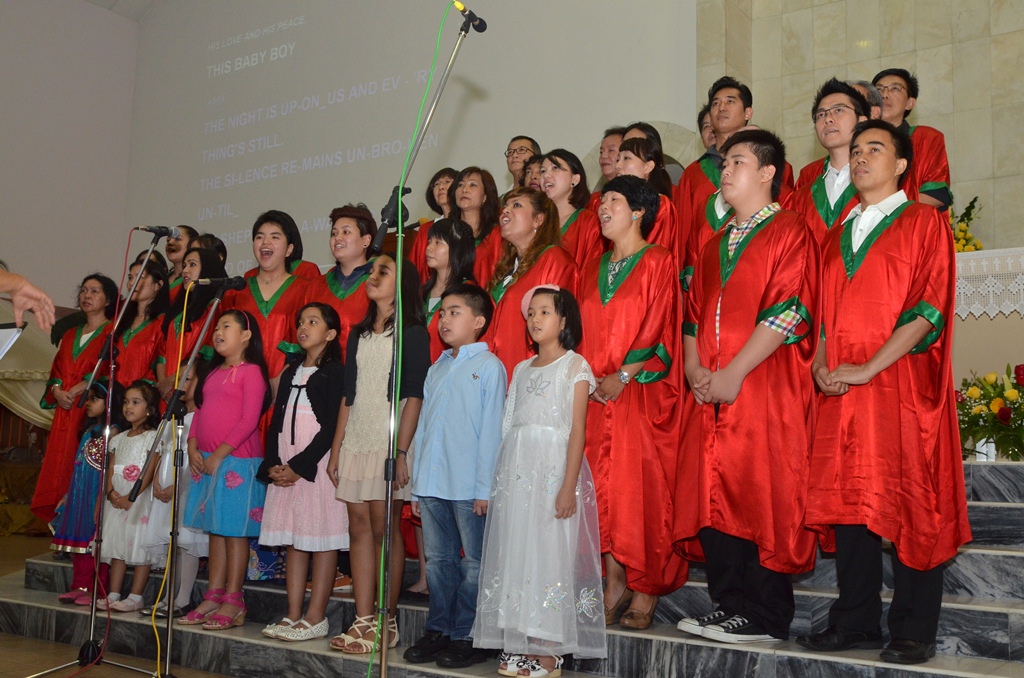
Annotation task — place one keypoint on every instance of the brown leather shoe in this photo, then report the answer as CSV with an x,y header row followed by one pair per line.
x,y
635,619
611,616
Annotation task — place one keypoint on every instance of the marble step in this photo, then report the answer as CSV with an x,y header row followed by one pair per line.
x,y
996,523
969,626
994,481
658,652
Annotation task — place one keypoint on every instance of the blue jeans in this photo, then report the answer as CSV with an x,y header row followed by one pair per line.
x,y
449,526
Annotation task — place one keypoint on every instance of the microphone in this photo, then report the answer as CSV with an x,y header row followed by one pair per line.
x,y
389,219
236,283
161,231
479,25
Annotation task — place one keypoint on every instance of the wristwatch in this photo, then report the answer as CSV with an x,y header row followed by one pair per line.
x,y
624,377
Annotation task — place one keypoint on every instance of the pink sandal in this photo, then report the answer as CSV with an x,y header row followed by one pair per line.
x,y
195,617
219,622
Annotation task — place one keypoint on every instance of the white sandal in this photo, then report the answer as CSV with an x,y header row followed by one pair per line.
x,y
271,630
536,670
509,660
303,630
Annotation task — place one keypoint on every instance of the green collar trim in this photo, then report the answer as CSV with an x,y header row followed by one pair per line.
x,y
727,263
711,214
607,291
77,347
711,170
826,211
336,288
266,306
129,334
853,260
570,221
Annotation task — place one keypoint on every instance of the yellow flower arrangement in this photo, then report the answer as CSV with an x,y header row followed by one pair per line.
x,y
963,237
990,408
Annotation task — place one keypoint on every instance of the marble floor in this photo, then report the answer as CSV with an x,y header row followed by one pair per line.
x,y
27,656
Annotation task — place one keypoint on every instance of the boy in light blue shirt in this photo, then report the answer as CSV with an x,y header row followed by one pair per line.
x,y
457,441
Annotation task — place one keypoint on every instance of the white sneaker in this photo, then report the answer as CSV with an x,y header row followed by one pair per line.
x,y
695,625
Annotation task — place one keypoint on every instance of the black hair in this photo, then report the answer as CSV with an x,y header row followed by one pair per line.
x,y
913,88
461,252
900,140
834,86
705,110
157,307
580,195
729,82
537,160
640,195
109,291
209,241
200,296
99,390
477,300
155,256
534,146
189,232
568,310
490,210
614,131
412,303
253,354
766,147
290,230
449,172
332,351
648,151
358,213
152,397
649,131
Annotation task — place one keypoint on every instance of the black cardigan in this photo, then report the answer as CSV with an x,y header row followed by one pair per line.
x,y
325,392
415,363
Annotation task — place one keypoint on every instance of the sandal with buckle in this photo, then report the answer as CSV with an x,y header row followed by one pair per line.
x,y
272,629
361,625
219,622
507,663
195,617
126,605
535,669
303,630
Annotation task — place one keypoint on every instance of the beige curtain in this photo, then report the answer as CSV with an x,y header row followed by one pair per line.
x,y
24,371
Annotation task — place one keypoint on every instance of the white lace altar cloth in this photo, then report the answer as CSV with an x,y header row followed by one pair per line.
x,y
990,282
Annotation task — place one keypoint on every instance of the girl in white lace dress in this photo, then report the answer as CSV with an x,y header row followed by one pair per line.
x,y
540,577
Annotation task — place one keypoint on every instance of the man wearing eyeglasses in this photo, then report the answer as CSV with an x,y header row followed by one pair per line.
x,y
929,176
825,194
520,149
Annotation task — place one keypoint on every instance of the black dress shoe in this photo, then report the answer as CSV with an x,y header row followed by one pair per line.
x,y
834,639
461,654
427,648
906,651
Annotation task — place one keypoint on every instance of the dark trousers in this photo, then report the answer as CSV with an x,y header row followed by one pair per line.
x,y
739,584
916,598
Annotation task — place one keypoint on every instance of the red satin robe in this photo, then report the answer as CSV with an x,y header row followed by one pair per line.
x,y
810,172
301,268
929,169
488,252
887,454
704,227
811,201
139,351
418,252
581,236
744,466
700,180
168,353
665,231
507,337
632,443
70,366
351,305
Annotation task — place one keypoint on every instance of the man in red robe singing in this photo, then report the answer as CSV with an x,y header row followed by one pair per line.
x,y
886,461
749,339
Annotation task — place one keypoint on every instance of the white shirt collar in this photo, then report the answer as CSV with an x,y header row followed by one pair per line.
x,y
886,207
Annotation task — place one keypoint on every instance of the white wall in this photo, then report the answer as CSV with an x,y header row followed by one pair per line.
x,y
66,96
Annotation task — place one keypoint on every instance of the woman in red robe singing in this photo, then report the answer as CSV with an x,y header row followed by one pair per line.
x,y
344,286
531,257
273,296
72,366
564,180
140,337
629,301
474,199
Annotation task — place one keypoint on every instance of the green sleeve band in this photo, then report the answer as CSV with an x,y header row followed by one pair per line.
x,y
934,186
792,304
160,360
684,275
206,353
690,329
642,355
822,333
43,405
288,348
924,310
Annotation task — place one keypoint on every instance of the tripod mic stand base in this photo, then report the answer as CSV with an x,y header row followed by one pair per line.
x,y
89,652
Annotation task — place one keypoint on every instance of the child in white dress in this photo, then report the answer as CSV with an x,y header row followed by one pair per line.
x,y
540,590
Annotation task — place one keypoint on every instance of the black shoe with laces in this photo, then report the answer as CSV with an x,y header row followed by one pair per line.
x,y
736,629
695,625
460,654
427,648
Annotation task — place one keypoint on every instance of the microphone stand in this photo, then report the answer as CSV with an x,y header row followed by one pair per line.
x,y
384,597
91,651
